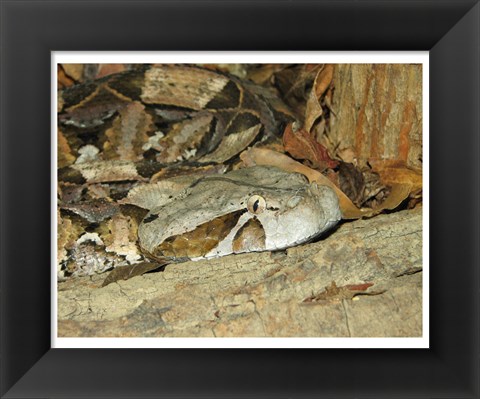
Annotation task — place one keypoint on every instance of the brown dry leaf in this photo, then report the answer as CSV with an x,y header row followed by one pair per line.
x,y
259,156
398,194
374,191
60,103
62,79
314,109
65,156
351,182
128,133
323,80
396,172
74,71
272,96
108,69
293,82
263,73
333,293
404,182
275,144
239,70
347,155
301,145
127,272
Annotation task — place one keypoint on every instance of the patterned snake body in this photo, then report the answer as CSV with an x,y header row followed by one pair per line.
x,y
251,209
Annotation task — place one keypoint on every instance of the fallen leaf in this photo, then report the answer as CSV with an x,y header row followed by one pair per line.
x,y
263,74
301,145
239,70
272,96
398,194
60,102
323,80
127,272
314,108
63,80
108,69
333,293
404,182
65,156
358,287
375,190
351,182
74,71
294,83
396,172
347,155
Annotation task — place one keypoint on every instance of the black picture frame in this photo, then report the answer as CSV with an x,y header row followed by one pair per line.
x,y
450,30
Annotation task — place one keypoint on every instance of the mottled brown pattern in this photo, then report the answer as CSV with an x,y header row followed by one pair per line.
x,y
251,237
181,86
199,241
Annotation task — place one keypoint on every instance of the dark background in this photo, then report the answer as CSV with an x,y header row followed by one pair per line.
x,y
31,29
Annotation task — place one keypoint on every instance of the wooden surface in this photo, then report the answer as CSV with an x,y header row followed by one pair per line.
x,y
378,111
364,279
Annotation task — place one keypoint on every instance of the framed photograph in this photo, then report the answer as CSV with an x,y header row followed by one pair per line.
x,y
241,181
294,196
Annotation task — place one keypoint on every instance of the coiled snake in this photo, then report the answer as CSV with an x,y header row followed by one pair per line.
x,y
217,116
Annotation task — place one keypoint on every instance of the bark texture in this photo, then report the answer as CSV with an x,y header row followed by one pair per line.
x,y
378,111
363,280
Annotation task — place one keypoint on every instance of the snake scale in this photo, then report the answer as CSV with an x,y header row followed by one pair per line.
x,y
130,141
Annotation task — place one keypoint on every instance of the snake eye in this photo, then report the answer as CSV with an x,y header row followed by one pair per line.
x,y
256,204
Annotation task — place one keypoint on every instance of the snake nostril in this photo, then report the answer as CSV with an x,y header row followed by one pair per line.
x,y
294,201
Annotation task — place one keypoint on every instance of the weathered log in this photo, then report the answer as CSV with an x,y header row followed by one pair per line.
x,y
364,279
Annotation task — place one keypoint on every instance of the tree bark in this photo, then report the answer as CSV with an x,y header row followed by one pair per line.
x,y
377,112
